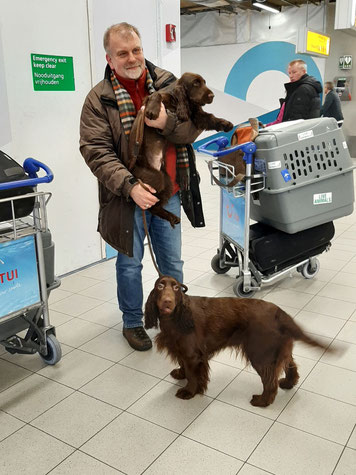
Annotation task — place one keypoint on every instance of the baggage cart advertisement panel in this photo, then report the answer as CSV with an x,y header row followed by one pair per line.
x,y
19,285
233,217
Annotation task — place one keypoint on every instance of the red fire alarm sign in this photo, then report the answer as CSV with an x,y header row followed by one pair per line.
x,y
170,33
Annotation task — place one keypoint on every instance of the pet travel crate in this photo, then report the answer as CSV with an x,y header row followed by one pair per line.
x,y
309,175
262,254
26,265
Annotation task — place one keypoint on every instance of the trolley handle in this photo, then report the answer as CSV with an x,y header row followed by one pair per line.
x,y
31,166
248,148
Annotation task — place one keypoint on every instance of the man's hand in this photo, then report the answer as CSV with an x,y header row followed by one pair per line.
x,y
161,120
144,199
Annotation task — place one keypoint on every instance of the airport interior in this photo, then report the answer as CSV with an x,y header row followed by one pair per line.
x,y
75,396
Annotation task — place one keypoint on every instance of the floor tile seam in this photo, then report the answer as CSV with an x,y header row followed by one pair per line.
x,y
256,466
120,362
318,394
49,408
102,372
66,385
97,432
286,425
146,392
77,450
80,269
155,460
334,298
126,411
84,343
97,281
94,298
89,321
93,457
212,448
338,460
319,313
228,384
42,376
50,435
100,302
210,288
12,433
328,397
311,433
241,408
16,382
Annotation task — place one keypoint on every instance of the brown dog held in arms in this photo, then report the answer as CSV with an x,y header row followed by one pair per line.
x,y
147,147
194,329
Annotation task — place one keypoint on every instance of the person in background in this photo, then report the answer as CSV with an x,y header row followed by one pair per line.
x,y
332,103
107,116
302,99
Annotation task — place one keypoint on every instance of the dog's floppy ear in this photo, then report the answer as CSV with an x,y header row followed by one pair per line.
x,y
182,109
183,316
151,311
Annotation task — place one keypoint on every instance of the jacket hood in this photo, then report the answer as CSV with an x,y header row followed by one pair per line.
x,y
306,79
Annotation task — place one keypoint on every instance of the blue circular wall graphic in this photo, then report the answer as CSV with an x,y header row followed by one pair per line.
x,y
270,56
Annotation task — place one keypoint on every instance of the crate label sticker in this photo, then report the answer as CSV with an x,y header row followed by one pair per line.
x,y
306,135
344,144
322,198
272,165
286,176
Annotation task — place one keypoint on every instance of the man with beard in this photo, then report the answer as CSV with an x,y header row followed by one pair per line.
x,y
108,114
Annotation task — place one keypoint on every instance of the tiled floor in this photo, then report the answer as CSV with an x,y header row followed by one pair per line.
x,y
106,409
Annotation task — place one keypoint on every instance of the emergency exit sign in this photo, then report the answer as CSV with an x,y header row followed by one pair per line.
x,y
52,73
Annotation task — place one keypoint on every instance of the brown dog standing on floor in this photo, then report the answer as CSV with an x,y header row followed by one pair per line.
x,y
147,147
194,329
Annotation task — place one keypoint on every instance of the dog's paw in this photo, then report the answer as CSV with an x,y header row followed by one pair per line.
x,y
284,383
152,113
259,401
183,393
178,373
226,126
174,220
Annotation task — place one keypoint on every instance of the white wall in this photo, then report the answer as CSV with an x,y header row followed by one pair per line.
x,y
45,125
149,16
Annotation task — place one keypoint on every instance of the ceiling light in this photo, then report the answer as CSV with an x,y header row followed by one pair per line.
x,y
266,7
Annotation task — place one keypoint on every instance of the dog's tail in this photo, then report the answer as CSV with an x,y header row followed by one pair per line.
x,y
289,327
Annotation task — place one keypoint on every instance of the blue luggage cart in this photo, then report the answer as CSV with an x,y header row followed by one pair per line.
x,y
245,246
27,268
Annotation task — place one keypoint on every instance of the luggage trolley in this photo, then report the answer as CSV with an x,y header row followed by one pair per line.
x,y
291,230
27,267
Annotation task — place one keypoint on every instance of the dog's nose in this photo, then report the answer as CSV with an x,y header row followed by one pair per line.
x,y
211,95
167,300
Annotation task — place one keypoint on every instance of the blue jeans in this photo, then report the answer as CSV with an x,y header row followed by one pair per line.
x,y
166,243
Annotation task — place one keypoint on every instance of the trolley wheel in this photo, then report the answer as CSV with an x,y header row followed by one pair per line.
x,y
215,265
308,271
238,288
54,351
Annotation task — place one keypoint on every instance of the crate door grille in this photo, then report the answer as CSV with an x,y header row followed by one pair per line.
x,y
312,160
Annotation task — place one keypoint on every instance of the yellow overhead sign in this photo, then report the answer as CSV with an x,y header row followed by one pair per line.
x,y
317,43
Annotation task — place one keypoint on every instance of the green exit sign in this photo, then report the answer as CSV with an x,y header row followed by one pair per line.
x,y
52,73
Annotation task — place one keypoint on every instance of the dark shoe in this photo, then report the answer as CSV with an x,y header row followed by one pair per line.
x,y
137,338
